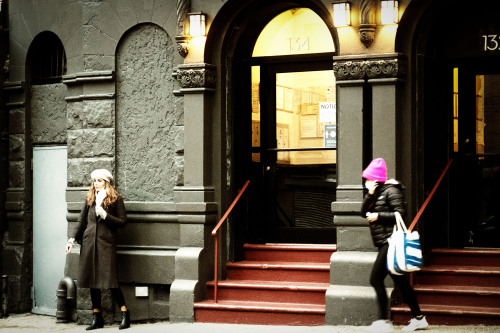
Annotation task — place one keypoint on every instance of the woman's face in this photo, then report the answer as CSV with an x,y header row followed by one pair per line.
x,y
99,184
370,184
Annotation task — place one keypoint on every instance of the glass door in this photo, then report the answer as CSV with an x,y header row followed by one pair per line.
x,y
293,130
294,148
476,146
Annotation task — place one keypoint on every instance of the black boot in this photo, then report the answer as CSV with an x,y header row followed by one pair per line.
x,y
97,321
125,320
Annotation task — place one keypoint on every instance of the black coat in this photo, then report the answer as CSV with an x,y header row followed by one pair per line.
x,y
97,267
387,199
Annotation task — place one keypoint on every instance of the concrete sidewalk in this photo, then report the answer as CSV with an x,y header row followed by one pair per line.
x,y
28,322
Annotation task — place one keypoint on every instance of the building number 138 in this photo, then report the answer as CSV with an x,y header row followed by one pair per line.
x,y
491,42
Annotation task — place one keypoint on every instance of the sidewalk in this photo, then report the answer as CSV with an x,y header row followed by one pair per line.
x,y
24,323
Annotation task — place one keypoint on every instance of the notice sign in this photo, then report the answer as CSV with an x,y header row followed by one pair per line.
x,y
327,112
330,135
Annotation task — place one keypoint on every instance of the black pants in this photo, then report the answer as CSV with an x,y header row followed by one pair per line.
x,y
379,273
95,296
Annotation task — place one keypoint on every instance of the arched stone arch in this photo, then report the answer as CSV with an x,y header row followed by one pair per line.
x,y
236,28
229,44
149,126
46,65
46,59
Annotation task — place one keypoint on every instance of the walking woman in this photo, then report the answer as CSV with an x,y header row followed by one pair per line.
x,y
384,198
102,213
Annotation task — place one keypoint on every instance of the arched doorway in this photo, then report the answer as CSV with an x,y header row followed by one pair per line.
x,y
280,83
46,65
460,114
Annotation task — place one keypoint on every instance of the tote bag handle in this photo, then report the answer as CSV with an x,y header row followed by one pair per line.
x,y
400,224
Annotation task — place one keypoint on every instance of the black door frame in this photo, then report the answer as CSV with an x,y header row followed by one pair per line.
x,y
453,212
263,202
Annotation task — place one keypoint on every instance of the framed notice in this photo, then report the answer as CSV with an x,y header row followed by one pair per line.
x,y
309,126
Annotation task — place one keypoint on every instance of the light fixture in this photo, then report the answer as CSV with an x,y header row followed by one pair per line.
x,y
341,14
197,24
389,11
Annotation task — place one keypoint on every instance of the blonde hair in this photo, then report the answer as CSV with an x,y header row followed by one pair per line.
x,y
111,195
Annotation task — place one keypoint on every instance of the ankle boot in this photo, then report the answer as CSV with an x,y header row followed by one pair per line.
x,y
125,320
97,321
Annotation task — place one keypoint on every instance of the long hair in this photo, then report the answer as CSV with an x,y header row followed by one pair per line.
x,y
111,195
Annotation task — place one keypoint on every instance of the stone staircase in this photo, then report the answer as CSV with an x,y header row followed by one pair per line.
x,y
460,287
275,284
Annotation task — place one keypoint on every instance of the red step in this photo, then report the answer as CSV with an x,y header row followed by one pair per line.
x,y
466,257
270,291
276,284
289,252
279,271
460,287
452,295
259,313
459,275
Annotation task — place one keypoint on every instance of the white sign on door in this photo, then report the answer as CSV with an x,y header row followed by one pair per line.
x,y
327,112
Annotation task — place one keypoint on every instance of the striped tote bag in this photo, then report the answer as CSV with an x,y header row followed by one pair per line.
x,y
404,253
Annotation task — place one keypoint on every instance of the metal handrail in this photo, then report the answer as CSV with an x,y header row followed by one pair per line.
x,y
215,233
415,220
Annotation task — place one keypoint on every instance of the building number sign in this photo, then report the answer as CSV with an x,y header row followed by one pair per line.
x,y
298,44
491,42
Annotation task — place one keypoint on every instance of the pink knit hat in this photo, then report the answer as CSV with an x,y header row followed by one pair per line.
x,y
376,170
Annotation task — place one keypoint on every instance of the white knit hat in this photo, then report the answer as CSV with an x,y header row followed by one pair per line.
x,y
102,174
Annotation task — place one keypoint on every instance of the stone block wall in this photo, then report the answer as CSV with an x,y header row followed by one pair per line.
x,y
48,114
118,107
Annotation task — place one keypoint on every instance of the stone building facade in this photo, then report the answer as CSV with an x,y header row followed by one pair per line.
x,y
169,115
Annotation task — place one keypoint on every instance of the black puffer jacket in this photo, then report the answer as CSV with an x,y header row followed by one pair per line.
x,y
387,199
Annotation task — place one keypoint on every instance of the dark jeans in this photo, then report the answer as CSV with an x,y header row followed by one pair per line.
x,y
379,272
95,296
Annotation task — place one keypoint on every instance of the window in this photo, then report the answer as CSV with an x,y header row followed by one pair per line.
x,y
296,31
46,59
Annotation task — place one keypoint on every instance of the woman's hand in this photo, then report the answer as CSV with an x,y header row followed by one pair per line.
x,y
69,245
100,212
372,217
371,185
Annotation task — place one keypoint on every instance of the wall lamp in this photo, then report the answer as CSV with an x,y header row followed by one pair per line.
x,y
342,14
389,11
197,27
190,25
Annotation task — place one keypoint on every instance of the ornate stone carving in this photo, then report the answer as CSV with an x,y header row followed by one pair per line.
x,y
387,68
183,7
367,12
368,69
367,24
196,76
367,34
182,39
349,70
183,45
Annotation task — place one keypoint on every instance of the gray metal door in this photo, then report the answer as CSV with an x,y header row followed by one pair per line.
x,y
49,225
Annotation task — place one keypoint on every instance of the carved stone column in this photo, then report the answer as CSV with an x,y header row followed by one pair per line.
x,y
385,78
194,200
351,78
350,300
